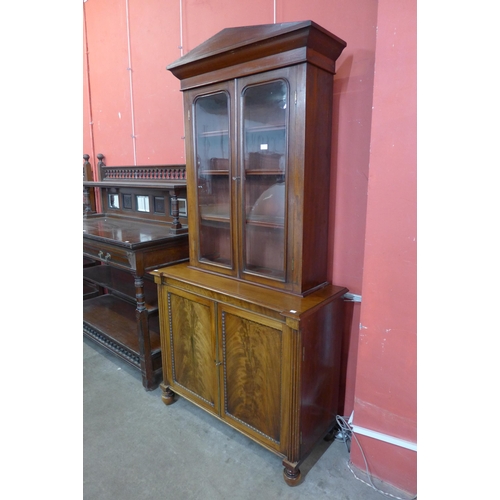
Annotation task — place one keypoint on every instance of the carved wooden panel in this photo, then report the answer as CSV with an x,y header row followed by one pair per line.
x,y
252,359
192,346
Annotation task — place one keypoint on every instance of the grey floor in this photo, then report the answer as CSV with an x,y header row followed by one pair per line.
x,y
136,448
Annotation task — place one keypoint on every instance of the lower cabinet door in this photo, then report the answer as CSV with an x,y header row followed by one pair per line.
x,y
251,349
191,349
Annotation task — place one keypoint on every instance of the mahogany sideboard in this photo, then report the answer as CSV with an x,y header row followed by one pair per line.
x,y
142,225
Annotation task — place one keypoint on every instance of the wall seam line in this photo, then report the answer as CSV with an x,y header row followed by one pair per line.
x,y
129,69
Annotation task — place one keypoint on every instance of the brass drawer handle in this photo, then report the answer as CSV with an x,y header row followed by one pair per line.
x,y
106,257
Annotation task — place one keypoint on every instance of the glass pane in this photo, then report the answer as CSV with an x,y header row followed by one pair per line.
x,y
211,119
113,201
265,144
142,203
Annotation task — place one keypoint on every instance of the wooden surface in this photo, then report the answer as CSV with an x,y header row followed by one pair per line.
x,y
235,52
125,232
250,328
252,372
263,361
122,321
108,313
122,285
193,347
132,244
256,297
233,233
120,309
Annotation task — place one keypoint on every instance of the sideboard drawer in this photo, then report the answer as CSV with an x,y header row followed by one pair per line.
x,y
109,254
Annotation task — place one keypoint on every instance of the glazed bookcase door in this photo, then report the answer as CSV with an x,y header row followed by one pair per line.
x,y
251,351
258,177
264,123
211,178
271,168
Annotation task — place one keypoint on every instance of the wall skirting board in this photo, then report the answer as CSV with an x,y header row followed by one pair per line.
x,y
384,437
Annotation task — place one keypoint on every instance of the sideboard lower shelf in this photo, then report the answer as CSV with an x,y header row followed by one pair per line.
x,y
111,321
121,283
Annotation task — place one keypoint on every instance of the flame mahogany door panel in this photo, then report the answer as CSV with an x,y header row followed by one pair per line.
x,y
251,349
190,367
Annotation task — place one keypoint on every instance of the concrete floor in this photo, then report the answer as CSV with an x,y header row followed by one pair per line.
x,y
136,448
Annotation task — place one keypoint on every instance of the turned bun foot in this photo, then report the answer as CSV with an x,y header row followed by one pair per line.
x,y
167,395
291,477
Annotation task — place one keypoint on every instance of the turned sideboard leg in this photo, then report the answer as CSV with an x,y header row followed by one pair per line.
x,y
143,334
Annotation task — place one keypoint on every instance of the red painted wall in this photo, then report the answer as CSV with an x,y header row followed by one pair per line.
x,y
88,144
385,390
136,103
134,116
153,28
109,80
